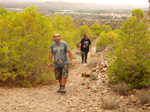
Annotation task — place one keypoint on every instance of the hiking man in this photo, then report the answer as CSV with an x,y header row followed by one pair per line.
x,y
84,45
59,49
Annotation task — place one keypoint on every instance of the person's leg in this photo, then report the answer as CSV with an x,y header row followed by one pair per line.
x,y
63,81
58,76
65,71
83,53
86,53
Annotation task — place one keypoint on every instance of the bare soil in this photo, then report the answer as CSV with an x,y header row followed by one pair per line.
x,y
83,94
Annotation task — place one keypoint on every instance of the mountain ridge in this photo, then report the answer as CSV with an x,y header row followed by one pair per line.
x,y
65,5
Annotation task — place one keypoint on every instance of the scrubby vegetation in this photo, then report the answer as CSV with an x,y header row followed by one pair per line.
x,y
24,46
110,102
132,61
25,39
121,88
130,55
144,97
106,39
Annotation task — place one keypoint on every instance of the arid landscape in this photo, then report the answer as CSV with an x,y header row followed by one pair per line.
x,y
117,73
82,13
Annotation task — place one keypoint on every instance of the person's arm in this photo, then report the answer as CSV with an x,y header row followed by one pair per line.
x,y
90,44
80,45
50,59
70,57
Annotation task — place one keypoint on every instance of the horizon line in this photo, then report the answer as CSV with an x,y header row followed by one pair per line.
x,y
79,2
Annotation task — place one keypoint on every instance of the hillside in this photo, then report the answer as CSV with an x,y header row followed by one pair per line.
x,y
84,94
67,6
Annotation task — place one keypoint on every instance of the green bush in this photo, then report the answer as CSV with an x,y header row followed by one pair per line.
x,y
112,36
95,29
105,28
138,13
86,30
106,39
25,40
24,47
132,61
103,42
66,27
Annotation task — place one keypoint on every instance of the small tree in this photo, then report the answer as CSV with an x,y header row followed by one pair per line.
x,y
132,63
103,42
24,46
95,29
85,29
138,13
105,28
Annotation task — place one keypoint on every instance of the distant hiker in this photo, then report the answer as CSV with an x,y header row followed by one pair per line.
x,y
59,49
85,43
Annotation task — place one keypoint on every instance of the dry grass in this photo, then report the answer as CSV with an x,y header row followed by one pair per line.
x,y
110,102
92,63
139,110
120,88
122,108
144,97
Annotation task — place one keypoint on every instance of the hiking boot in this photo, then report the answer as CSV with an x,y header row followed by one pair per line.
x,y
62,90
59,90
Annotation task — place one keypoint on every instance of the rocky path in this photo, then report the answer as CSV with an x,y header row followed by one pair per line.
x,y
83,94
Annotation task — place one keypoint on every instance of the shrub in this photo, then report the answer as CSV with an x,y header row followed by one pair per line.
x,y
85,29
24,46
138,13
103,42
92,63
144,97
106,39
95,29
66,27
112,36
110,102
120,87
25,40
132,62
105,28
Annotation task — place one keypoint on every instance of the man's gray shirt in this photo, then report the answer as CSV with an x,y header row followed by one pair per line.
x,y
60,53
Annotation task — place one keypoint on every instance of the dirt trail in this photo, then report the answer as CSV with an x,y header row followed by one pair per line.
x,y
78,97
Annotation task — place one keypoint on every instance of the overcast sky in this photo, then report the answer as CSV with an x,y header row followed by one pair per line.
x,y
134,2
138,2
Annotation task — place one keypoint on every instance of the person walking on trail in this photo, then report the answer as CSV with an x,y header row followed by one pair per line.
x,y
84,45
59,49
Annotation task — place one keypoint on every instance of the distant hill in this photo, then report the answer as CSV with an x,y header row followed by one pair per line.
x,y
64,5
19,1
